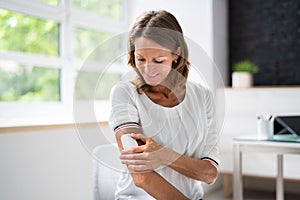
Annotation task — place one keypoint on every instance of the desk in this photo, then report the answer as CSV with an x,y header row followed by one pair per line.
x,y
253,145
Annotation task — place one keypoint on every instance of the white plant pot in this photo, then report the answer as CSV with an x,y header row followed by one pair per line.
x,y
242,79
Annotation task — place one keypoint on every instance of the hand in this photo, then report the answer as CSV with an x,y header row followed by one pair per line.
x,y
147,157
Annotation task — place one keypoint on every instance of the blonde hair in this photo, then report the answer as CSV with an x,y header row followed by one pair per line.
x,y
163,28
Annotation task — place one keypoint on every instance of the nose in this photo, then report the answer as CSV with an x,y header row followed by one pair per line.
x,y
147,67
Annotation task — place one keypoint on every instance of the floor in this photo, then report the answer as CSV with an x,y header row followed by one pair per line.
x,y
250,195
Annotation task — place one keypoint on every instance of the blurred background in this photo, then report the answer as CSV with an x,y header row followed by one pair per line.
x,y
45,43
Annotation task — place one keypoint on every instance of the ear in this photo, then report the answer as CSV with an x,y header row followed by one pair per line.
x,y
177,53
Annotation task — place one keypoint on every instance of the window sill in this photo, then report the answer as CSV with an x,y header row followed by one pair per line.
x,y
26,125
33,116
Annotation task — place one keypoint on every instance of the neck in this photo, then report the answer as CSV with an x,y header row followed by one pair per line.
x,y
166,91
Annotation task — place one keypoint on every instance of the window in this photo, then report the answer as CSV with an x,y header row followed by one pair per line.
x,y
24,81
110,9
43,45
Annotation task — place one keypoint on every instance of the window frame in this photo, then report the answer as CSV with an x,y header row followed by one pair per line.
x,y
68,17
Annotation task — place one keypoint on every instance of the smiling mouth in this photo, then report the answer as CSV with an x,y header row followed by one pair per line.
x,y
152,75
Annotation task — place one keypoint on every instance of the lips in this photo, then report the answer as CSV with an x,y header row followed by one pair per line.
x,y
152,75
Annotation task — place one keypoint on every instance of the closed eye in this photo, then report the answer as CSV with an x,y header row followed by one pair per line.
x,y
141,59
159,59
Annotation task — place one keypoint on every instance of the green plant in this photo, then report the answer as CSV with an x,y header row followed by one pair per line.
x,y
245,66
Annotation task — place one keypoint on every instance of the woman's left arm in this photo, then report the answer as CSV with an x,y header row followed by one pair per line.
x,y
202,170
151,156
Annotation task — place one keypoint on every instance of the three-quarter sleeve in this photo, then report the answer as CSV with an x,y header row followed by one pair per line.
x,y
211,150
123,108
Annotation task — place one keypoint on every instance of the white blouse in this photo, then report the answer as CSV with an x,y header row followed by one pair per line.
x,y
188,128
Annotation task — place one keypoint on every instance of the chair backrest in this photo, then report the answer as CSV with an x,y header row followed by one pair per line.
x,y
106,171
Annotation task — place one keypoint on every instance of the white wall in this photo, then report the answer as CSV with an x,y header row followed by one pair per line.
x,y
48,164
220,38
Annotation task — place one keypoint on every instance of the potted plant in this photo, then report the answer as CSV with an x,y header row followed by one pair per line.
x,y
242,76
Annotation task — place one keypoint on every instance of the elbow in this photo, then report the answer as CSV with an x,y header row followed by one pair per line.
x,y
212,177
211,180
209,177
139,180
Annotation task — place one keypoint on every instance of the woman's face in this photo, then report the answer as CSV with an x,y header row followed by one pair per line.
x,y
153,61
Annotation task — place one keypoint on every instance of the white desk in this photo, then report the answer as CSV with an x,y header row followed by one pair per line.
x,y
252,145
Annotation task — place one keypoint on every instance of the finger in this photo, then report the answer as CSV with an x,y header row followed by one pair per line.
x,y
137,156
129,157
139,149
134,162
139,136
139,168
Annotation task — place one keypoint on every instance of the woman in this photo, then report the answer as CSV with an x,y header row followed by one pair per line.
x,y
172,119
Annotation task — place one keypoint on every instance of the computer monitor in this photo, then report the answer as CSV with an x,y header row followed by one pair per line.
x,y
284,125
